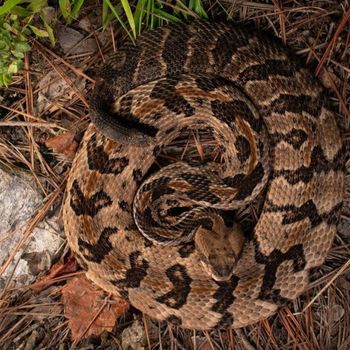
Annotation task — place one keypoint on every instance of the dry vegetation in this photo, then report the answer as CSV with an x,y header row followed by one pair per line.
x,y
319,31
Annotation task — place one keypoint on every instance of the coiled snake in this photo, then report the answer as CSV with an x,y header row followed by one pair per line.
x,y
168,240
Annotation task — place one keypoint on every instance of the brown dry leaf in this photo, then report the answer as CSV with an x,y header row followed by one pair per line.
x,y
58,269
85,308
63,143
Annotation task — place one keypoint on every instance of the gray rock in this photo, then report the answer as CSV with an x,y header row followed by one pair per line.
x,y
73,42
19,201
134,337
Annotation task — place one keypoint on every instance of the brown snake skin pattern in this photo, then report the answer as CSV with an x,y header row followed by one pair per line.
x,y
276,133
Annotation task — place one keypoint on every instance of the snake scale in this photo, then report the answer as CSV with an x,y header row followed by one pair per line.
x,y
167,239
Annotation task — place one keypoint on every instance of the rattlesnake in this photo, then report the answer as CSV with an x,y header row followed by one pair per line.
x,y
276,134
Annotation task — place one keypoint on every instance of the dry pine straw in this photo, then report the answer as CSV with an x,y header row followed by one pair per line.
x,y
319,32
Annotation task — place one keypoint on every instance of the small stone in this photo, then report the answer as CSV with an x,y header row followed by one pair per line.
x,y
73,42
134,337
336,313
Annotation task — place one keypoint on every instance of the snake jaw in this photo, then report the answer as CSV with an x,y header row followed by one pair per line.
x,y
219,274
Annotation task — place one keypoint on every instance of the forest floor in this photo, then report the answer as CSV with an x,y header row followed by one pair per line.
x,y
43,116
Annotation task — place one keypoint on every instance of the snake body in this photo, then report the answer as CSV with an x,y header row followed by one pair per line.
x,y
270,117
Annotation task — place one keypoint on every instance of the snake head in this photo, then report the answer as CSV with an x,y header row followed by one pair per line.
x,y
219,248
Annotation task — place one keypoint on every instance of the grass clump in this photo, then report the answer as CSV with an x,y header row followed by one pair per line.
x,y
149,14
17,18
13,46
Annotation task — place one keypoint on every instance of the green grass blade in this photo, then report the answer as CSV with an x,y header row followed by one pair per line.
x,y
115,13
39,32
37,5
129,16
166,16
7,6
65,9
20,11
150,17
49,31
139,14
105,13
76,7
148,12
196,6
